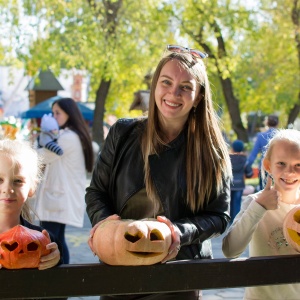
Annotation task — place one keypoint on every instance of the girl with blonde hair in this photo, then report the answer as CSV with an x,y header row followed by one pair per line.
x,y
19,175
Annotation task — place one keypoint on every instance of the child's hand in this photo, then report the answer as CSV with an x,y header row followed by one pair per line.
x,y
50,260
269,197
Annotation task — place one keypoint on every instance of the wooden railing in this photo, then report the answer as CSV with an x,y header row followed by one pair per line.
x,y
101,279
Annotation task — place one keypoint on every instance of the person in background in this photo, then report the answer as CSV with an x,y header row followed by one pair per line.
x,y
49,134
262,139
19,175
260,221
173,165
239,171
60,196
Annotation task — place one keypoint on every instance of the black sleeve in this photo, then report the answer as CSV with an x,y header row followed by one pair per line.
x,y
52,238
210,222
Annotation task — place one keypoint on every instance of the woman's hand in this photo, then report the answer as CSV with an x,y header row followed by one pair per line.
x,y
269,197
175,234
90,240
52,259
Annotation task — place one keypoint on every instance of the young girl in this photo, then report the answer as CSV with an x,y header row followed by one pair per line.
x,y
260,220
19,174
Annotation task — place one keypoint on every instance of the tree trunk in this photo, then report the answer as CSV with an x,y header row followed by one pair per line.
x,y
231,102
101,95
293,114
109,25
233,109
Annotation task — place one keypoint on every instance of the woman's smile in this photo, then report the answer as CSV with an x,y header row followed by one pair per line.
x,y
172,104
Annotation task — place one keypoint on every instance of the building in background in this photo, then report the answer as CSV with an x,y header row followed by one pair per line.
x,y
15,98
42,87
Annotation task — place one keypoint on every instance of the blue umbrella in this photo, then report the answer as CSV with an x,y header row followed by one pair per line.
x,y
45,107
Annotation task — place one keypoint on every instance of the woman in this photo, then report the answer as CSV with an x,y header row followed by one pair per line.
x,y
174,165
60,197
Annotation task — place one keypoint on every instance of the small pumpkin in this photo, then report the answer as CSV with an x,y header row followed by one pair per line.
x,y
22,247
291,228
132,242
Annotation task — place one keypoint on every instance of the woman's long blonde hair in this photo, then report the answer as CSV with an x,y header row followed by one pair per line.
x,y
20,153
207,160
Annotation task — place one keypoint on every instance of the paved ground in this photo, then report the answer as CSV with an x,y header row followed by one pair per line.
x,y
80,253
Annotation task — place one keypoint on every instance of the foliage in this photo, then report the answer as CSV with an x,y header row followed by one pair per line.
x,y
72,34
259,54
268,77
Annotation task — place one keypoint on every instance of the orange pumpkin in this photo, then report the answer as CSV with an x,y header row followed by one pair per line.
x,y
291,228
132,242
21,247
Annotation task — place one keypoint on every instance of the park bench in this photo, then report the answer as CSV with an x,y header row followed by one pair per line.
x,y
100,279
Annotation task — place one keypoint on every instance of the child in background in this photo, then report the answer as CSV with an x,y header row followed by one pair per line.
x,y
49,134
260,221
239,171
19,175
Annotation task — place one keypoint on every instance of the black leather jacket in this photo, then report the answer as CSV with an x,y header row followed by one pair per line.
x,y
118,175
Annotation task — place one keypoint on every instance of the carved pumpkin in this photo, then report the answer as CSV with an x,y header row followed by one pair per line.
x,y
21,247
131,242
291,228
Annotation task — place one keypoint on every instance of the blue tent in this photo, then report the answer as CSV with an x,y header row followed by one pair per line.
x,y
45,107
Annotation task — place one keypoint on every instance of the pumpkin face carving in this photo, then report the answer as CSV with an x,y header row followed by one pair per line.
x,y
21,247
131,242
291,228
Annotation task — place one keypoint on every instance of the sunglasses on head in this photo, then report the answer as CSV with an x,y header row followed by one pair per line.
x,y
179,49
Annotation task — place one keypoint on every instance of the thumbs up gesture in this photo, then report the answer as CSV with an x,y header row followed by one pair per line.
x,y
269,196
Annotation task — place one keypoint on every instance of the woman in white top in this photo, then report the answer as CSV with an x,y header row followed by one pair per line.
x,y
60,197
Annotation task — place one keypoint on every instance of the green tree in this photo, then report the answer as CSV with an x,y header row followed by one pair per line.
x,y
252,53
295,16
115,41
268,75
217,27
